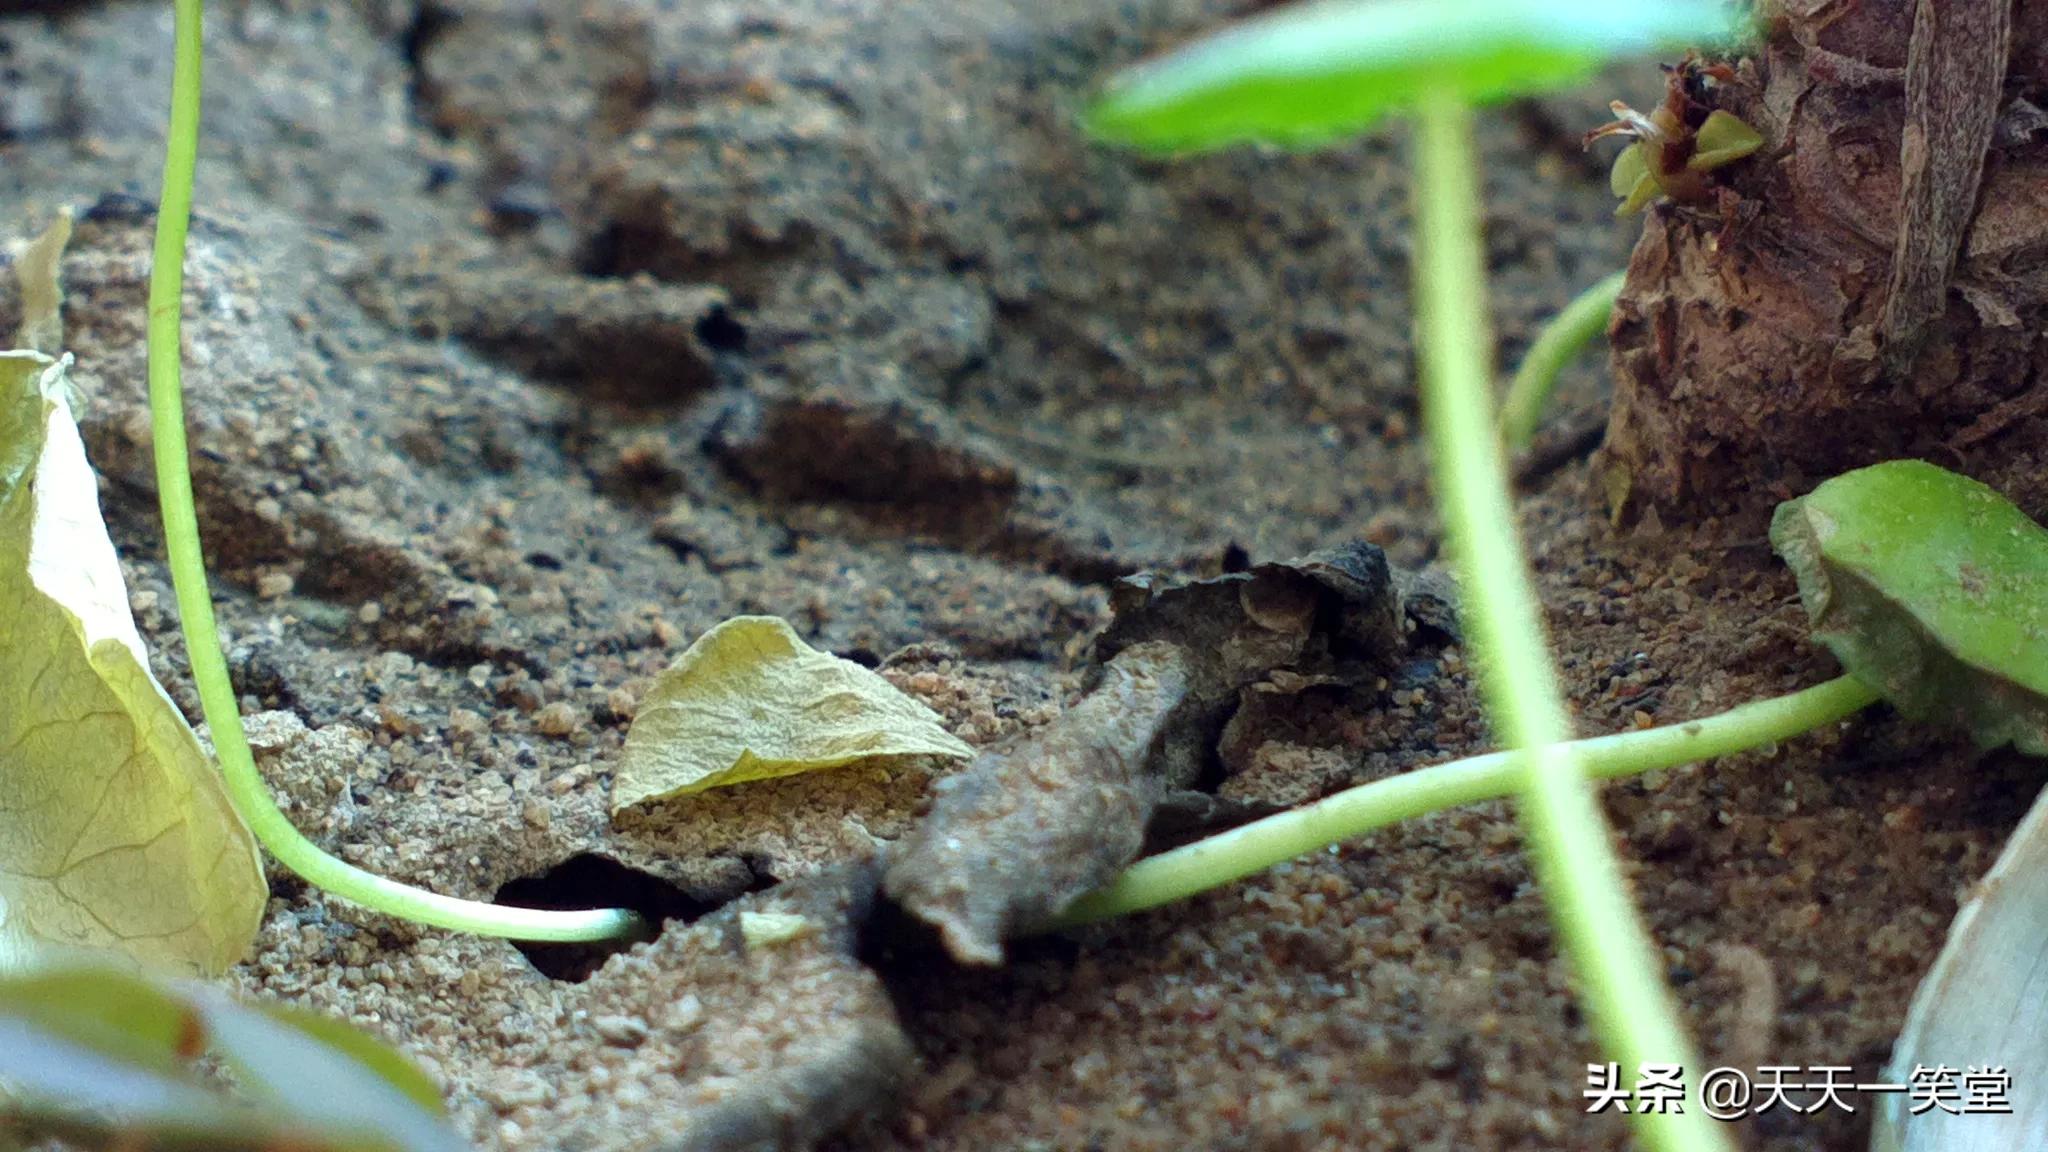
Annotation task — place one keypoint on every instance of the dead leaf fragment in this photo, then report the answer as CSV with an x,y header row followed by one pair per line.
x,y
42,320
116,836
1041,820
751,701
768,929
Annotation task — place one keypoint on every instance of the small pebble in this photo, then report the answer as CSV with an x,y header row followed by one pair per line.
x,y
558,719
273,585
464,723
685,1015
622,703
623,1031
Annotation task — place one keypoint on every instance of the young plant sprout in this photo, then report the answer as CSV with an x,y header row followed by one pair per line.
x,y
1310,74
195,605
1676,145
1672,151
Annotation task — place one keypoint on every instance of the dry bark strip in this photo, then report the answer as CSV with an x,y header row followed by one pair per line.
x,y
1033,824
1955,82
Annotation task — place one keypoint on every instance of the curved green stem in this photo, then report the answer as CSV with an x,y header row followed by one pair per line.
x,y
1252,848
1561,339
195,605
1570,846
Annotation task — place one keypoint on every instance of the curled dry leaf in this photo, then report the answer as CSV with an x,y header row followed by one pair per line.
x,y
750,701
1037,822
1931,588
115,833
1033,825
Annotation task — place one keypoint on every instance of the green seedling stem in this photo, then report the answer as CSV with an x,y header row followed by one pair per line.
x,y
195,605
1571,849
1221,859
1569,331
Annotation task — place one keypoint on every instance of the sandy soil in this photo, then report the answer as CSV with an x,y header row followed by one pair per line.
x,y
527,341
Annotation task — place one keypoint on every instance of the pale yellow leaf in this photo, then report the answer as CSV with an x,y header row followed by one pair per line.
x,y
42,299
116,836
768,929
750,700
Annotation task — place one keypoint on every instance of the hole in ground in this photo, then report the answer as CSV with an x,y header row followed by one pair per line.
x,y
930,990
720,332
592,881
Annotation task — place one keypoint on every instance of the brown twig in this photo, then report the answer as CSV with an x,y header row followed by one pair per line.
x,y
1955,81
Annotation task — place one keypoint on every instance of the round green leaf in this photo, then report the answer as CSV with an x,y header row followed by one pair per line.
x,y
1305,74
1931,588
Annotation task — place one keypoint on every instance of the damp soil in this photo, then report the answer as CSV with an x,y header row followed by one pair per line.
x,y
525,342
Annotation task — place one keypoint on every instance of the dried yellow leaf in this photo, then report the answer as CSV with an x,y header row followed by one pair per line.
x,y
750,700
116,835
768,929
42,299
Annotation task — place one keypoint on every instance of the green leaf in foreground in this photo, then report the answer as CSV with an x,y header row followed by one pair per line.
x,y
115,834
750,700
1309,73
324,1074
352,1052
79,1065
115,1014
1931,588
